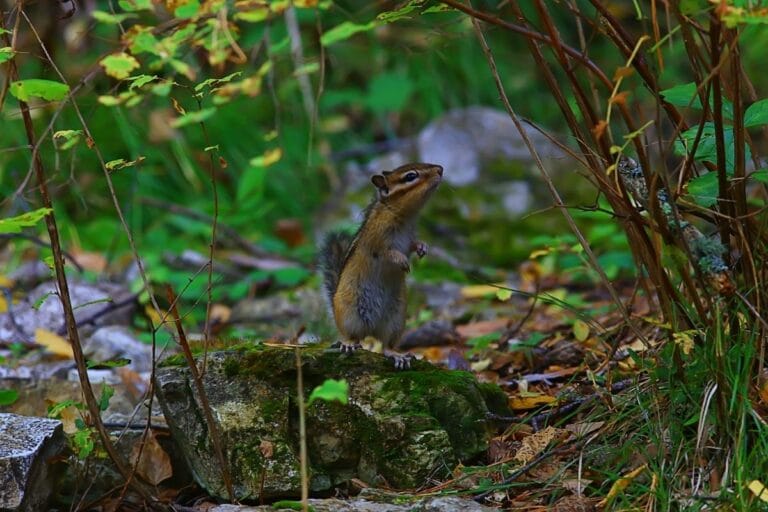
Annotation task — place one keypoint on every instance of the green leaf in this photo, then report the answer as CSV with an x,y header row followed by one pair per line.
x,y
55,410
254,15
706,151
106,393
761,176
704,189
405,11
84,443
116,363
39,88
6,54
212,82
25,220
188,10
682,96
112,19
344,31
8,396
143,41
139,81
685,96
389,92
121,163
135,5
503,294
329,391
119,65
756,114
67,139
193,117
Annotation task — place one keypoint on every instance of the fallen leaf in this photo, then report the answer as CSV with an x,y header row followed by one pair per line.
x,y
759,490
621,484
581,330
151,461
537,442
267,449
92,261
476,329
524,403
53,343
220,313
584,428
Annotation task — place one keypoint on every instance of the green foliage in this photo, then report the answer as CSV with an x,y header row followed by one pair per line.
x,y
330,390
8,397
50,90
25,220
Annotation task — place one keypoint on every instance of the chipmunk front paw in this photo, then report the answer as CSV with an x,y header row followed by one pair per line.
x,y
400,259
401,361
347,348
420,248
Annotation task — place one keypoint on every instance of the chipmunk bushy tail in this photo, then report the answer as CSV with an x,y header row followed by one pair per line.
x,y
331,260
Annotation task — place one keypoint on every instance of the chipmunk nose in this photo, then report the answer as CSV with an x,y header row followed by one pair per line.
x,y
439,170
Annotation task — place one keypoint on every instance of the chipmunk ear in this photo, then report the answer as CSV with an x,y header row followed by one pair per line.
x,y
380,182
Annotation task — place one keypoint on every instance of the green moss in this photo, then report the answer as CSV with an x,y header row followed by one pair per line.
x,y
495,398
174,360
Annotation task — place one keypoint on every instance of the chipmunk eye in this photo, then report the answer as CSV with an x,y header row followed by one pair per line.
x,y
410,176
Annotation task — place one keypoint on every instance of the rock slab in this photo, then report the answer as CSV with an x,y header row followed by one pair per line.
x,y
27,475
400,428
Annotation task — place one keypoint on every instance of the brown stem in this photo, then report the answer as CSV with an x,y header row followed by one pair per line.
x,y
205,405
66,301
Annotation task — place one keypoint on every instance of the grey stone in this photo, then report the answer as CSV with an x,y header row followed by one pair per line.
x,y
439,504
399,428
115,342
27,474
87,301
465,140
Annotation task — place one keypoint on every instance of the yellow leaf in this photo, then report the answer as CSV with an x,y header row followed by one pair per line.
x,y
269,157
3,304
524,403
581,330
53,343
759,490
537,253
621,484
479,291
5,282
684,340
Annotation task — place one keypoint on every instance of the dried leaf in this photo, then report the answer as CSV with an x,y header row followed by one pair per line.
x,y
599,129
621,484
53,343
536,443
759,490
267,449
476,329
620,98
525,403
581,330
622,72
151,461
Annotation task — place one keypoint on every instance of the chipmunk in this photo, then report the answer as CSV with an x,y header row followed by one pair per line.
x,y
364,274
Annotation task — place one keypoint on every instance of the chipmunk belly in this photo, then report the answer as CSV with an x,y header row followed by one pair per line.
x,y
370,300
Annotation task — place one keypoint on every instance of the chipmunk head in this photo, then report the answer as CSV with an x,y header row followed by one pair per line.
x,y
409,186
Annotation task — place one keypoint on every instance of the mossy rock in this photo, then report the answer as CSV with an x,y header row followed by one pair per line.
x,y
399,428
